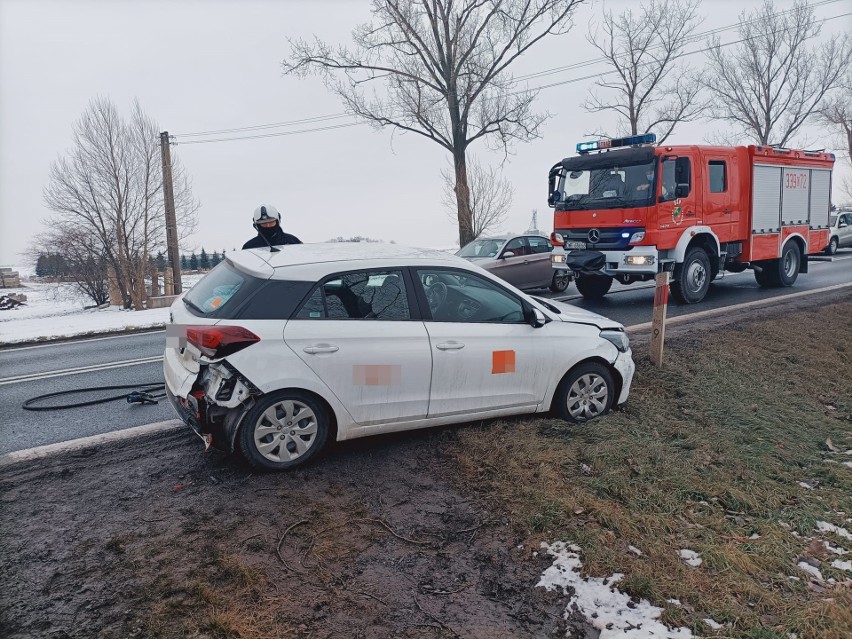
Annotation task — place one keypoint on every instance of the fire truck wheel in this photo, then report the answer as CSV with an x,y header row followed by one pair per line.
x,y
587,392
691,279
787,267
560,281
764,278
594,287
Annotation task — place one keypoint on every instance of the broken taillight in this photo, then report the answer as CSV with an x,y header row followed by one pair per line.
x,y
216,342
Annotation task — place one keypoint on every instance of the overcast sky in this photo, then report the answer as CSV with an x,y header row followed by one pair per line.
x,y
204,65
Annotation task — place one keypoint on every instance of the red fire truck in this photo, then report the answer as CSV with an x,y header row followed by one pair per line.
x,y
627,210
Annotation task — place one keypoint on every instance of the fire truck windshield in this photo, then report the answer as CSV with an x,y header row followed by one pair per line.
x,y
606,187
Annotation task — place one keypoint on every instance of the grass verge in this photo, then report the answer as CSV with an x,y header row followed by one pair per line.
x,y
735,450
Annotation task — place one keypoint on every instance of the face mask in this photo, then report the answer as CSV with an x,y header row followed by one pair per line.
x,y
267,232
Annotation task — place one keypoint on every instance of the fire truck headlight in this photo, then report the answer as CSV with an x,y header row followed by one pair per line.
x,y
618,339
639,260
637,237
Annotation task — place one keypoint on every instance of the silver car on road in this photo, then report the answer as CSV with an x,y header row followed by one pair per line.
x,y
521,260
840,233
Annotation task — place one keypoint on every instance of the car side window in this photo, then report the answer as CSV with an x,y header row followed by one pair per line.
x,y
516,246
378,295
539,245
460,296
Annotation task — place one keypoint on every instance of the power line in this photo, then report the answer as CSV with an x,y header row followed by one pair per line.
x,y
359,123
529,76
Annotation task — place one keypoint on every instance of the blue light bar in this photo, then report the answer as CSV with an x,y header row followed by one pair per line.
x,y
598,145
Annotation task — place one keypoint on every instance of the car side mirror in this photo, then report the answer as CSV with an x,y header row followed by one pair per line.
x,y
507,254
537,318
682,190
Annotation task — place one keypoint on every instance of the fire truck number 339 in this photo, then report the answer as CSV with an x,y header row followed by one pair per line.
x,y
796,181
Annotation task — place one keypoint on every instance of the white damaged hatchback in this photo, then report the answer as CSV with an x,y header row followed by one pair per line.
x,y
273,353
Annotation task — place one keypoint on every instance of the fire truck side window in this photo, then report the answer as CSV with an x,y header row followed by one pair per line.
x,y
717,170
675,171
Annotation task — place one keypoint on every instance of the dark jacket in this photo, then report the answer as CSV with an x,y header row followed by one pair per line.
x,y
276,238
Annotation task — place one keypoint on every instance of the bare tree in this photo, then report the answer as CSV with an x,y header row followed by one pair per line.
x,y
109,185
774,80
836,115
490,196
444,65
650,90
82,254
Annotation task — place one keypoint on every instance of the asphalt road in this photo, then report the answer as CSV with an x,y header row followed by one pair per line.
x,y
131,359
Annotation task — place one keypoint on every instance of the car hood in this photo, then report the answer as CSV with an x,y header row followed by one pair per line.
x,y
568,313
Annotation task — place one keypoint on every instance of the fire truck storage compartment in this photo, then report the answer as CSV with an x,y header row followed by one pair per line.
x,y
788,195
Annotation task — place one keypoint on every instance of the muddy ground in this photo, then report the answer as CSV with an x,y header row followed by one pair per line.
x,y
154,538
377,538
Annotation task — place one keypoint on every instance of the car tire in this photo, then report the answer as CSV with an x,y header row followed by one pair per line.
x,y
593,287
765,277
586,393
283,430
833,245
560,281
691,278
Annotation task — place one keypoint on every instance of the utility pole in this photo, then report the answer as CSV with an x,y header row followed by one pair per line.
x,y
171,220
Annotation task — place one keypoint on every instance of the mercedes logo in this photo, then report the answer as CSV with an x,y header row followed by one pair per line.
x,y
594,236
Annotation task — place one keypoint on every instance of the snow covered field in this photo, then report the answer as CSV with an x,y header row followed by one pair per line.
x,y
54,311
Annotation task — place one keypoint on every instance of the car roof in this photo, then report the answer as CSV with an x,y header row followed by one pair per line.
x,y
311,261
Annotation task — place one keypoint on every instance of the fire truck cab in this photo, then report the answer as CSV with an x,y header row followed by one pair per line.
x,y
627,210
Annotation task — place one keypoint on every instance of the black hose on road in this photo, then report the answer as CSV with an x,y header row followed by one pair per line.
x,y
147,393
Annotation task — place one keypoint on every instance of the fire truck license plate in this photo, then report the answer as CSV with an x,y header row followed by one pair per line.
x,y
574,246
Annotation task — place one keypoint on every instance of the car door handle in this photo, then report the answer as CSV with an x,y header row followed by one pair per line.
x,y
449,346
320,348
726,211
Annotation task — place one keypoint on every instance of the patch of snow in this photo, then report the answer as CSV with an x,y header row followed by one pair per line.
x,y
635,550
849,464
715,625
842,565
754,536
824,526
803,565
792,578
837,550
606,608
586,469
805,485
676,602
690,558
55,310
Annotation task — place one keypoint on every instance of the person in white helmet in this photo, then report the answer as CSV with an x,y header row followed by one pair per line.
x,y
267,222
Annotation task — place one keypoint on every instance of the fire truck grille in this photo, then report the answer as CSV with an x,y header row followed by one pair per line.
x,y
607,238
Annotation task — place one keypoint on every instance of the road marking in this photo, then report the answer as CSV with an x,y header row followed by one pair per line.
x,y
71,340
31,377
40,452
726,309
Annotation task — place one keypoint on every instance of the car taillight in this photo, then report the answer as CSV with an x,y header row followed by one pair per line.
x,y
220,341
556,239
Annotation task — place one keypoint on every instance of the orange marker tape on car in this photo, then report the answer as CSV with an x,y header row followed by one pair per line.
x,y
502,362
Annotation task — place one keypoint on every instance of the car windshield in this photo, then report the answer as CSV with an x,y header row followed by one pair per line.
x,y
482,248
615,186
833,220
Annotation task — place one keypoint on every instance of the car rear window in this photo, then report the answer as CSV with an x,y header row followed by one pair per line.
x,y
228,293
216,291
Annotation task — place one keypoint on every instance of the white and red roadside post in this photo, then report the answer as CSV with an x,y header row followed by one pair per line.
x,y
658,323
